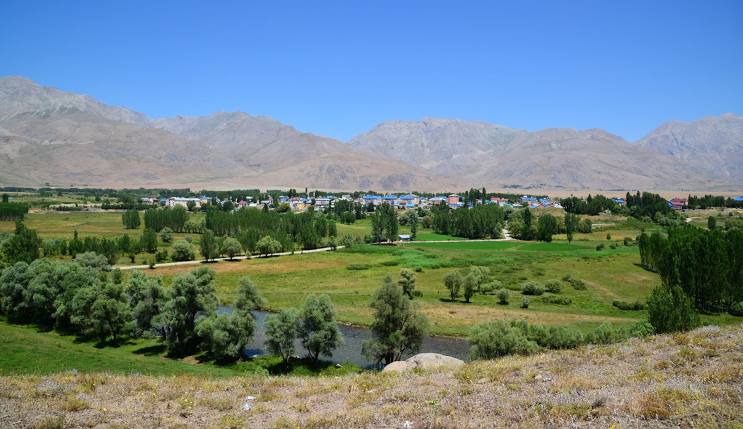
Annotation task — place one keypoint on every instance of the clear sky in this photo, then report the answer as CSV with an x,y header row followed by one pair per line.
x,y
339,68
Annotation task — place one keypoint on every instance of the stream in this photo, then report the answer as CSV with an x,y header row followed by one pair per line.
x,y
354,336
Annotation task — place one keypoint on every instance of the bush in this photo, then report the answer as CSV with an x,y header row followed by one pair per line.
x,y
622,305
600,247
93,260
578,284
606,333
560,300
525,302
553,286
628,241
503,297
183,251
559,337
531,288
166,235
161,256
419,269
347,241
613,245
358,267
641,329
670,310
736,309
499,338
390,263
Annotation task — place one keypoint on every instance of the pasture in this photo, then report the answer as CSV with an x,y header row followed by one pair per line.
x,y
351,276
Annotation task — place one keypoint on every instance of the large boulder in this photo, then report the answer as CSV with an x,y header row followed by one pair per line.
x,y
424,361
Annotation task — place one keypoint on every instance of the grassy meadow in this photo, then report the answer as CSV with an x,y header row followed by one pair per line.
x,y
351,276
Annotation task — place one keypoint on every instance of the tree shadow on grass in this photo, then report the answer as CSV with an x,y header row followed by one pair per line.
x,y
155,350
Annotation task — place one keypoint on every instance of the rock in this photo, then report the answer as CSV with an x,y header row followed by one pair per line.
x,y
424,361
398,366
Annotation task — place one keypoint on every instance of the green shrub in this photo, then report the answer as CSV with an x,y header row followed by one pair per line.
x,y
670,310
525,302
600,247
736,309
357,267
627,241
578,284
161,256
553,286
606,333
390,263
531,288
499,338
503,297
560,300
418,269
560,337
640,329
622,305
567,278
613,246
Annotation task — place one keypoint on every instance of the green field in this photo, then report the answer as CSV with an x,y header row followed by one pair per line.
x,y
609,275
27,350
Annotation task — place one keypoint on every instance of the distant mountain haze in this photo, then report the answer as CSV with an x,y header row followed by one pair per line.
x,y
64,139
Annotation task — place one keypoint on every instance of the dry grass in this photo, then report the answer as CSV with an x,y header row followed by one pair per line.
x,y
675,381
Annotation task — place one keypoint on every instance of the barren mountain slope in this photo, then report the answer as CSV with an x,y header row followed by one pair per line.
x,y
713,145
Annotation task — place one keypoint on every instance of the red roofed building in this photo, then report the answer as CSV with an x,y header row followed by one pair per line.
x,y
677,203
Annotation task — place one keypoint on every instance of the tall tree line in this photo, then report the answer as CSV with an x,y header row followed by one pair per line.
x,y
174,218
707,265
480,221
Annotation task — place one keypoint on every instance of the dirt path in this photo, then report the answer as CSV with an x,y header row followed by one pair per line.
x,y
236,258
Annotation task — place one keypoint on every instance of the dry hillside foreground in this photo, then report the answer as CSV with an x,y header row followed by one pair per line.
x,y
685,380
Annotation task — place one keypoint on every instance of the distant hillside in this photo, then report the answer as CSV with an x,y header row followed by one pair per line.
x,y
49,136
64,139
477,152
713,145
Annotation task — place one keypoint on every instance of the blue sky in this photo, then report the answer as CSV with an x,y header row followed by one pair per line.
x,y
339,68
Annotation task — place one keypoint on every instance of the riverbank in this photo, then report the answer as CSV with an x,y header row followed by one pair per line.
x,y
684,380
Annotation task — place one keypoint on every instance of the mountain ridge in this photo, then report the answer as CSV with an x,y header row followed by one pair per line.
x,y
51,136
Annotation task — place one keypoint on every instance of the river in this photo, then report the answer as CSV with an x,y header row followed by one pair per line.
x,y
353,337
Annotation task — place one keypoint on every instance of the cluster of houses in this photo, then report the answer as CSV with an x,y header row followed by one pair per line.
x,y
402,202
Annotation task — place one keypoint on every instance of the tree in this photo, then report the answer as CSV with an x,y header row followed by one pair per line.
x,y
267,245
208,245
131,219
231,247
527,233
470,285
225,336
318,328
146,299
248,296
191,296
183,251
281,331
93,260
711,222
102,311
166,235
571,223
23,245
670,310
546,227
14,294
148,241
453,282
407,282
398,328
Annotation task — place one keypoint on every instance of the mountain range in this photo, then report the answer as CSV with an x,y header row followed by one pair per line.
x,y
48,136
